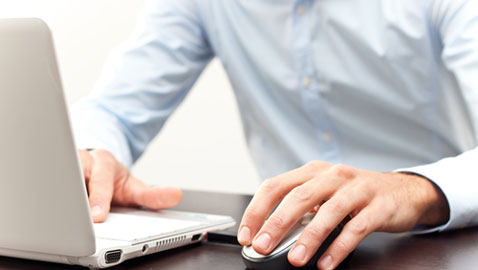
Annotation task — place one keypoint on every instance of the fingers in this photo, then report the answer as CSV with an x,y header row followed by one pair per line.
x,y
329,216
268,195
86,163
160,197
352,234
101,184
377,201
298,202
109,181
135,192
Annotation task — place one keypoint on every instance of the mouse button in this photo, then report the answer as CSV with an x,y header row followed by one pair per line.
x,y
289,239
249,252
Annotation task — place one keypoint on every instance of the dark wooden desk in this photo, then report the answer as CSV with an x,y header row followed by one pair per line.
x,y
456,250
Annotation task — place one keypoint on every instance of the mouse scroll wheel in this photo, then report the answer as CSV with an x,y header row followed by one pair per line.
x,y
307,218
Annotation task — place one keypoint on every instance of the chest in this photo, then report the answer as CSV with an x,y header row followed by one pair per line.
x,y
327,31
367,49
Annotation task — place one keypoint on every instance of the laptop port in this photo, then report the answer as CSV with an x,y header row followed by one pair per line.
x,y
196,237
145,249
113,256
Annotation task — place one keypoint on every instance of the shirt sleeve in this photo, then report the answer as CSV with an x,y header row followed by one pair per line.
x,y
144,81
456,23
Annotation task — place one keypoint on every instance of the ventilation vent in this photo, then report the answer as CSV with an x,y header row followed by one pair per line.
x,y
171,243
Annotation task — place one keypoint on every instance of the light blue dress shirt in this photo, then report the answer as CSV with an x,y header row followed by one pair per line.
x,y
375,84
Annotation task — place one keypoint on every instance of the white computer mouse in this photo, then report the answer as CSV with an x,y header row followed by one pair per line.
x,y
277,259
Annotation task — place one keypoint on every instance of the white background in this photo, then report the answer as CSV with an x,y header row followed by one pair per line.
x,y
202,146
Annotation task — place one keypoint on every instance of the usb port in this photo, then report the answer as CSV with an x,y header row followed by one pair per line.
x,y
113,256
196,237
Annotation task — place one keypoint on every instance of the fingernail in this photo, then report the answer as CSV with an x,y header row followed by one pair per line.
x,y
263,242
298,253
326,262
96,211
244,235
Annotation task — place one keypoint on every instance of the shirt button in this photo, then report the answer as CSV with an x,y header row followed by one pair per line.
x,y
326,136
306,81
301,9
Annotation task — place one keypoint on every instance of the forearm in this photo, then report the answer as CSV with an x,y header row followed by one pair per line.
x,y
431,203
94,127
144,81
456,179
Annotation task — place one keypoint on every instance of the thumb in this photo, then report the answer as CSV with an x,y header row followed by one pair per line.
x,y
151,197
159,197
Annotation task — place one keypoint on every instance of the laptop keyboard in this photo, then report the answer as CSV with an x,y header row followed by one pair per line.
x,y
127,227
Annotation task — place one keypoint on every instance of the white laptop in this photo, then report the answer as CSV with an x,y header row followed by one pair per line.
x,y
44,212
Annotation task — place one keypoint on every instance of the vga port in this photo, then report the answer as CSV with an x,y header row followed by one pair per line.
x,y
113,256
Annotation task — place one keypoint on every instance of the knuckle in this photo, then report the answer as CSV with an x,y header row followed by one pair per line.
x,y
270,184
343,171
364,186
314,232
363,192
341,247
301,195
122,171
100,152
104,154
278,222
390,208
338,207
358,226
252,215
314,164
111,163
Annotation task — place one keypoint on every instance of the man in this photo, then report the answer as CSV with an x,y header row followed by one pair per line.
x,y
389,88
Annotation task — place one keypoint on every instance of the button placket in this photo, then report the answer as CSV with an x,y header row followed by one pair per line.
x,y
306,81
301,9
309,85
326,136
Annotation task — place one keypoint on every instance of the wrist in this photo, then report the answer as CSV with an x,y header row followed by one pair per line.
x,y
431,204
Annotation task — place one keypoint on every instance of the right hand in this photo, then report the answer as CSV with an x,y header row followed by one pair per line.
x,y
110,182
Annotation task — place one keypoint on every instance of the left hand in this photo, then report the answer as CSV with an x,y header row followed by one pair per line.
x,y
387,202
